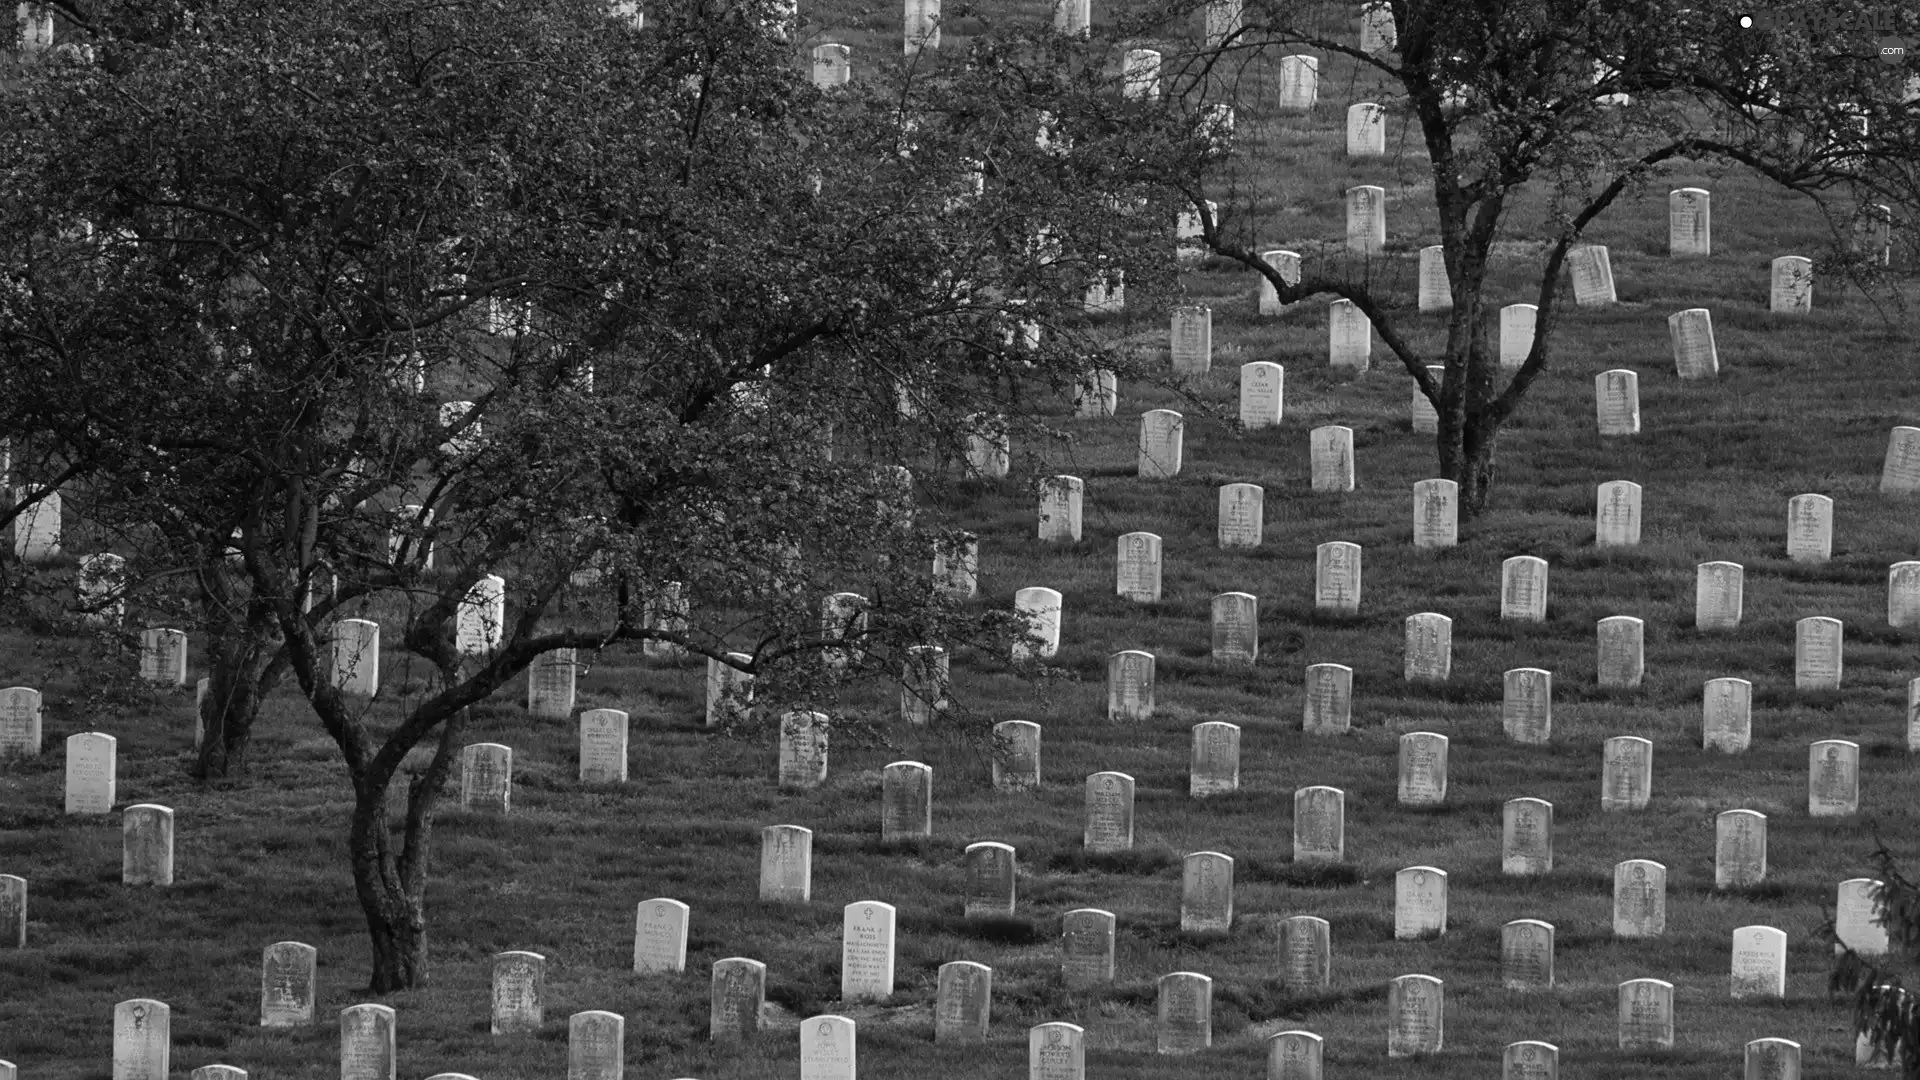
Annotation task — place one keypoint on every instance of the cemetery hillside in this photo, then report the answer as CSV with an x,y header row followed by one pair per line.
x,y
1119,539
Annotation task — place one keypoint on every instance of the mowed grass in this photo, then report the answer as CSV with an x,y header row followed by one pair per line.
x,y
1800,406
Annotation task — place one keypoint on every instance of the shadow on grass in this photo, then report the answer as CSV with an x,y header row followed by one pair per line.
x,y
1146,862
1309,875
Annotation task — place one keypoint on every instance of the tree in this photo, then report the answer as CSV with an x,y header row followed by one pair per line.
x,y
702,314
1584,101
1884,1009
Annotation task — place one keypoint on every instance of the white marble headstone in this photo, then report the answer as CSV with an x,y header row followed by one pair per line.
x,y
1818,644
1419,902
1900,474
1526,705
1206,893
1616,516
1791,291
1694,354
1726,715
1517,322
1759,962
1287,265
1739,849
1061,499
1242,517
1436,514
1639,899
1436,291
1833,778
1331,448
1616,402
1523,588
1689,222
1646,1015
1626,773
1328,700
1138,567
1319,824
1429,653
1086,948
1366,219
1109,826
786,864
1161,436
1215,765
1336,577
1416,1014
1349,336
1526,837
1719,593
1592,274
1366,130
1810,528
1622,651
866,951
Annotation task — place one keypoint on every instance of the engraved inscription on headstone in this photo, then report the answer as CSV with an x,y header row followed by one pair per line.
x,y
1130,686
1366,130
1739,849
1429,654
1319,824
1900,473
1236,627
1262,394
866,951
1639,899
1423,769
660,935
1526,955
1526,705
1691,333
1810,528
1592,274
1817,647
1328,700
1331,449
963,1002
1349,337
1523,588
1336,577
1617,514
1016,755
1161,437
1526,837
1719,590
1791,291
990,876
1833,778
1138,577
1416,1013
1616,396
1216,759
1366,219
1306,954
1626,776
1086,948
143,1041
1419,902
1242,515
1436,514
1646,1015
1759,962
739,990
906,801
1206,893
1726,715
1622,651
1109,813
786,864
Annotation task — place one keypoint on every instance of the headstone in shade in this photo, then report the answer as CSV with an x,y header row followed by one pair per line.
x,y
1429,652
20,730
1306,954
1719,592
1319,824
550,684
924,679
1639,899
1377,35
1328,700
1416,1012
1726,715
1366,219
1616,397
963,1002
1616,518
1061,501
1626,773
1109,824
1206,893
1138,577
354,660
1287,265
603,746
1739,849
827,1048
519,992
1791,288
163,656
1771,1059
480,619
146,846
1262,394
1526,955
729,690
234,1072
1242,517
1140,75
1236,627
1810,528
1331,448
1818,643
367,1043
1192,337
660,935
1423,769
1900,472
143,1040
1215,768
287,984
1294,1055
36,532
13,911
1130,686
1336,577
843,617
1517,322
906,801
596,1045
1162,435
1016,755
991,879
1691,334
1436,514
1523,588
1530,1060
786,864
1419,902
1621,641
956,568
738,993
1056,1051
486,778
1086,948
1646,1015
1689,222
1366,130
1759,962
1526,837
1096,394
1436,290
1592,274
1422,417
1859,918
1041,607
866,951
832,66
804,738
1903,595
1184,1024
91,764
1526,705
1349,337
1299,82
1833,778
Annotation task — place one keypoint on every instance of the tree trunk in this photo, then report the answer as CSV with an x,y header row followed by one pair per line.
x,y
246,662
392,886
1466,458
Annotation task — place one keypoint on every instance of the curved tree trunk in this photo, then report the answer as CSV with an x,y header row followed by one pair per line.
x,y
392,885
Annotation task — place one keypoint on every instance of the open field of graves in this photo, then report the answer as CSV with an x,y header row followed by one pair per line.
x,y
1801,404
